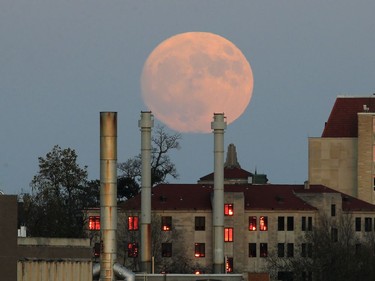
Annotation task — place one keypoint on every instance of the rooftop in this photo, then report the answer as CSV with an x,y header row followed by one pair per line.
x,y
343,120
257,197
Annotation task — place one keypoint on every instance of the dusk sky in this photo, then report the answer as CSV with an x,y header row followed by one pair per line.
x,y
63,62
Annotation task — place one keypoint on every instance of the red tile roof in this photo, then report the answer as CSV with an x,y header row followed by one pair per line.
x,y
349,203
185,197
342,122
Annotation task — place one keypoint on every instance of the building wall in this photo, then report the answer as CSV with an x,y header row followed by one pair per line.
x,y
8,237
184,223
333,162
54,248
366,157
52,270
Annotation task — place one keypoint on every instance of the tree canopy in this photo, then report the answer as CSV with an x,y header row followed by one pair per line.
x,y
331,251
129,180
60,193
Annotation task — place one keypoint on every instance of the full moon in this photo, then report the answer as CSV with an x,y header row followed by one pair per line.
x,y
190,76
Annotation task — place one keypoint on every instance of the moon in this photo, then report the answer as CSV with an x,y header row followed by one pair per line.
x,y
190,76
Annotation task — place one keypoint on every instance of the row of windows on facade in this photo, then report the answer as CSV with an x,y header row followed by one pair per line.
x,y
283,250
133,222
200,223
166,252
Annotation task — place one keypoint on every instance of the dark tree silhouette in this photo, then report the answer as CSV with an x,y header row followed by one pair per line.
x,y
129,180
60,193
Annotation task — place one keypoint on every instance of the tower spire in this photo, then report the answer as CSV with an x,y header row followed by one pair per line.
x,y
231,161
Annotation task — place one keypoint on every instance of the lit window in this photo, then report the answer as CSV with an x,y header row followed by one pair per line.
x,y
357,224
200,223
166,249
263,250
290,250
199,250
280,250
290,224
228,209
228,234
133,250
280,223
252,250
229,265
133,223
166,223
368,224
263,223
252,223
94,223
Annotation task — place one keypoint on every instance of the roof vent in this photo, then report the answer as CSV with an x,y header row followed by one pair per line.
x,y
306,185
250,180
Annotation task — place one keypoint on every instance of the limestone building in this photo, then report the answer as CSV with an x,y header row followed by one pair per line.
x,y
260,220
343,157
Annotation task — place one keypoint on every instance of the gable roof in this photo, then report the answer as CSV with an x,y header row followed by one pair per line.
x,y
229,173
198,197
343,120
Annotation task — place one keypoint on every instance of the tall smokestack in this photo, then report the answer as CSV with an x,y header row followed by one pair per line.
x,y
218,126
146,123
108,194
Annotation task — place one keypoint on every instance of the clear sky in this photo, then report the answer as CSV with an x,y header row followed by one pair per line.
x,y
62,62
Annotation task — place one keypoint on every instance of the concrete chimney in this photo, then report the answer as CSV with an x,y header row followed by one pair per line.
x,y
218,126
108,194
146,123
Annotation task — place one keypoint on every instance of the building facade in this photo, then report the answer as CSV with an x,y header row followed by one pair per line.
x,y
343,157
260,221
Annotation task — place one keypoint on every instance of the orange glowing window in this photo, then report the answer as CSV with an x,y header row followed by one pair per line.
x,y
133,223
199,250
252,223
229,264
263,223
94,223
132,249
228,209
228,234
166,223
